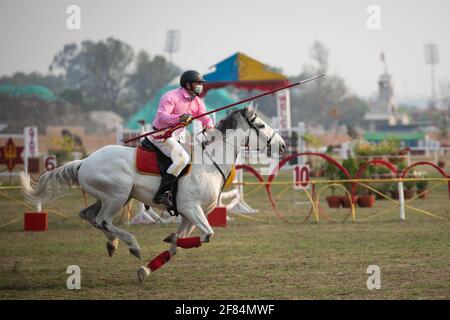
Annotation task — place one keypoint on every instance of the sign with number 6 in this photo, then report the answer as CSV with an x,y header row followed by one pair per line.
x,y
50,162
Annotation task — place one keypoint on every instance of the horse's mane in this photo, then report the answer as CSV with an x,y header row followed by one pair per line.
x,y
229,122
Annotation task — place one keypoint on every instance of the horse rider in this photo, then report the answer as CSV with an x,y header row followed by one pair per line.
x,y
177,106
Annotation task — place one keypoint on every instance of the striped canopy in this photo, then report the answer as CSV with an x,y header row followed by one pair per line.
x,y
243,72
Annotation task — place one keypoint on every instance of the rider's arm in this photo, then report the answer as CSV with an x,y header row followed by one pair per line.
x,y
206,120
164,114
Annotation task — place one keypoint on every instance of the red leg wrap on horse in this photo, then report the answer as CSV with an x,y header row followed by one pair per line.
x,y
159,261
187,243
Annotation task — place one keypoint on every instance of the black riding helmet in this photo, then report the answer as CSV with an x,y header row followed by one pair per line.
x,y
190,76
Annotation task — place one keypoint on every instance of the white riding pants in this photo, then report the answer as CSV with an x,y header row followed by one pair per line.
x,y
173,149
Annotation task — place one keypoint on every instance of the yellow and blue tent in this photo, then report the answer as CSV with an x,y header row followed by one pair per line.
x,y
243,72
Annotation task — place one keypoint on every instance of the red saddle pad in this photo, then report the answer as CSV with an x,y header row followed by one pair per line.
x,y
146,161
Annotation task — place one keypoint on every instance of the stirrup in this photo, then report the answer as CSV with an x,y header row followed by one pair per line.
x,y
166,199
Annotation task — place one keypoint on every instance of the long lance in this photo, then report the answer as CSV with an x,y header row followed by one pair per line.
x,y
172,128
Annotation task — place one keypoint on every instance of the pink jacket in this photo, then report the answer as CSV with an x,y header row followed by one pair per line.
x,y
176,102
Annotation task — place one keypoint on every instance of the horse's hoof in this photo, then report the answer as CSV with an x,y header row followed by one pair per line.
x,y
172,239
135,252
111,249
143,273
98,226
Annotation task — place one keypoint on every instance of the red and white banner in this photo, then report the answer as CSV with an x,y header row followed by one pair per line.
x,y
31,142
284,109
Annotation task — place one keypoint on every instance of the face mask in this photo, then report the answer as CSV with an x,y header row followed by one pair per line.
x,y
198,89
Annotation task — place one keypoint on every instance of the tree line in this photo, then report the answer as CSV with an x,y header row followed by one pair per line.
x,y
109,75
102,75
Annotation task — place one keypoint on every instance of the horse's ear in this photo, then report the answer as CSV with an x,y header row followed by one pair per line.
x,y
250,111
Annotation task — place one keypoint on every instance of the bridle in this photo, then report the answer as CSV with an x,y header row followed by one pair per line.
x,y
257,127
252,125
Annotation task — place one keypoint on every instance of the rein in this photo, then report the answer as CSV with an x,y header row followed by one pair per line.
x,y
252,125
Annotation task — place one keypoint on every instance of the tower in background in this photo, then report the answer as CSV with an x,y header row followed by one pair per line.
x,y
432,58
172,43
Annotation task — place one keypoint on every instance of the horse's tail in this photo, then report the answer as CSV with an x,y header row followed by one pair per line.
x,y
52,184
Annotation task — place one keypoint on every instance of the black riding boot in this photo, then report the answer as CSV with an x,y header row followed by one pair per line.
x,y
164,194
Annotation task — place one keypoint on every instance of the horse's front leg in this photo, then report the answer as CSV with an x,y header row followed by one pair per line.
x,y
181,233
184,229
198,219
191,219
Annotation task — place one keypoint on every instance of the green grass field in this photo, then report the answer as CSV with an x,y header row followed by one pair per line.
x,y
262,258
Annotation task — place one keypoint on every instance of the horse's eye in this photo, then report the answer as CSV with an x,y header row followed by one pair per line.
x,y
261,126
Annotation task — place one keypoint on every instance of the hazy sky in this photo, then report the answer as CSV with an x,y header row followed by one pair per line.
x,y
278,33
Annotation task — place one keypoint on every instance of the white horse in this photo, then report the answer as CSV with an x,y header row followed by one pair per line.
x,y
109,176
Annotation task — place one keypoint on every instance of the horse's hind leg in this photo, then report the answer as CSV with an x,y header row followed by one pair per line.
x,y
111,244
104,222
89,214
125,236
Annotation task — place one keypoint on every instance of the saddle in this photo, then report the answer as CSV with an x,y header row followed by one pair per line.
x,y
150,160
